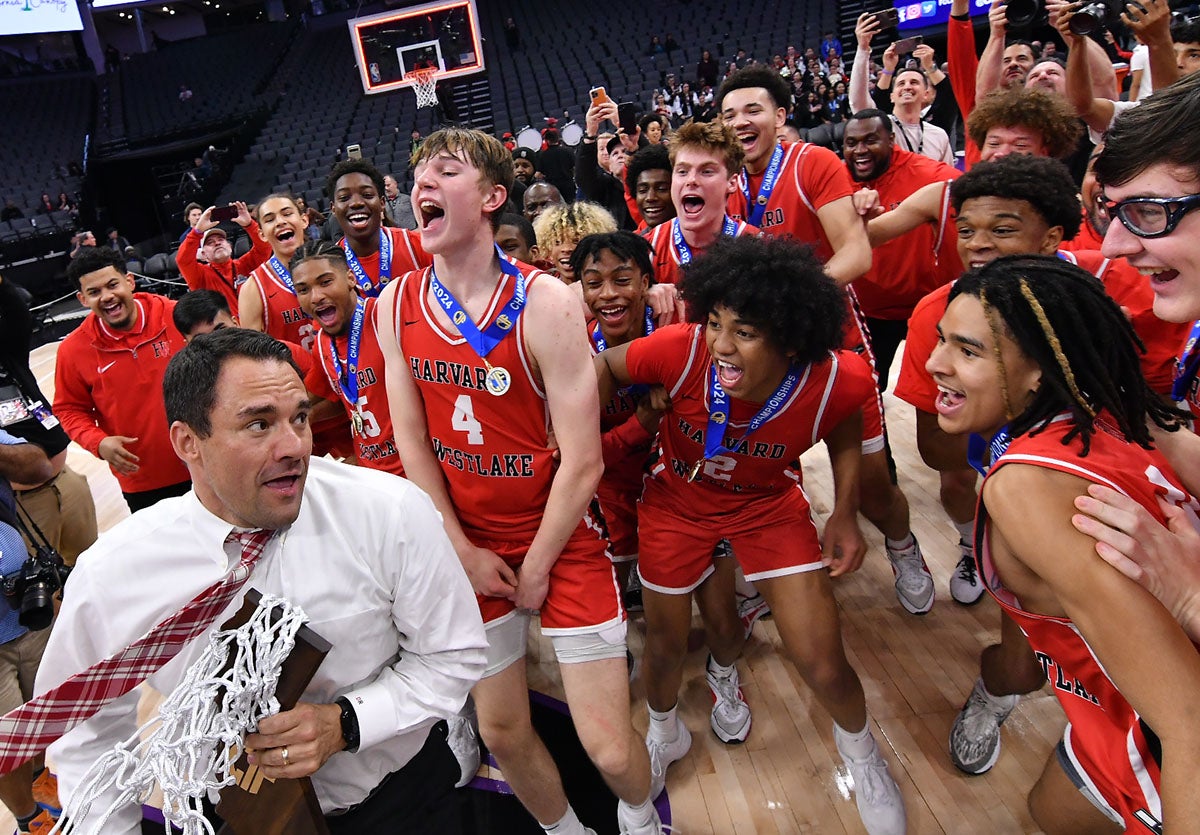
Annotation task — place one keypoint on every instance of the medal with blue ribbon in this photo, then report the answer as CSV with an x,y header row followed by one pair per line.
x,y
348,378
497,379
683,251
282,273
718,415
757,206
1187,366
366,287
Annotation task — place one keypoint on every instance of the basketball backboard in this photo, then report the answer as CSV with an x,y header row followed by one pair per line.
x,y
444,35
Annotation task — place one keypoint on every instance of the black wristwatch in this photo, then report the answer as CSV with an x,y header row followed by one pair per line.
x,y
349,723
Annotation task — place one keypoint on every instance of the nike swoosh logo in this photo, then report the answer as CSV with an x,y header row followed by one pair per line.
x,y
104,368
413,322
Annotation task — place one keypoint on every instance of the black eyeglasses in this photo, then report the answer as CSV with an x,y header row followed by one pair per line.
x,y
1149,217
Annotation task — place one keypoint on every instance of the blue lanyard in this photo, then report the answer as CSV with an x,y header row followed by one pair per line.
x,y
365,286
1187,366
280,270
483,341
754,215
718,414
683,251
350,386
976,446
602,345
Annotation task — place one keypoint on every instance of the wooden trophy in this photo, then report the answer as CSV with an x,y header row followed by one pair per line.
x,y
258,805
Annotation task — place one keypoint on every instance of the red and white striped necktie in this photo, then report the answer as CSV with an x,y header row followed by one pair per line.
x,y
28,730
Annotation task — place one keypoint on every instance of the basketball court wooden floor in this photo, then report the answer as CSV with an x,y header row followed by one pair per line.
x,y
787,777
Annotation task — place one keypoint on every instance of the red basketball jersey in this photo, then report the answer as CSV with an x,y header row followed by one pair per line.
x,y
1107,738
375,444
810,178
494,449
667,266
407,255
765,462
282,316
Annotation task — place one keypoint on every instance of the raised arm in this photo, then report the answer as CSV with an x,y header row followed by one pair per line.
x,y
991,62
922,206
1096,112
851,247
860,96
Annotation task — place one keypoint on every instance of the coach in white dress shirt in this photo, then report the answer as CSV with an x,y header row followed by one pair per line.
x,y
362,552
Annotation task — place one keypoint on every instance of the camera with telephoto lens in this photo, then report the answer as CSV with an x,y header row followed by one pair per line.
x,y
1096,15
34,586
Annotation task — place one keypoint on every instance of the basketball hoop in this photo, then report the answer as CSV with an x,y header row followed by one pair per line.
x,y
424,82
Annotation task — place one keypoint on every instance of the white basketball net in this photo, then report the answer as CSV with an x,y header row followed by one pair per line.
x,y
195,748
425,85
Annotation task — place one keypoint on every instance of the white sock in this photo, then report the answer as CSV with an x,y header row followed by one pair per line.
x,y
568,824
638,815
905,544
720,670
663,726
966,533
857,745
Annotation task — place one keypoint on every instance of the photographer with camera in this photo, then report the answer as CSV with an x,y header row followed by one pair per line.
x,y
1150,21
598,185
221,271
21,644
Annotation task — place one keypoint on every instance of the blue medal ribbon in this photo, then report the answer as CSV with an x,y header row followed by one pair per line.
x,y
638,389
483,341
976,446
365,286
718,414
757,206
348,379
282,272
683,251
1187,366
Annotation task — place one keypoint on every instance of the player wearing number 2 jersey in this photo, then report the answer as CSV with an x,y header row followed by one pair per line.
x,y
485,359
1035,356
754,381
347,361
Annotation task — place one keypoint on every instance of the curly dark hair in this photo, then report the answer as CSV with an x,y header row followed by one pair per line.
x,y
1061,318
1044,183
646,159
774,283
757,76
1049,115
353,166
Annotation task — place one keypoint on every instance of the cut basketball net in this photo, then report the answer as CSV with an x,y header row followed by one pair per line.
x,y
425,84
221,698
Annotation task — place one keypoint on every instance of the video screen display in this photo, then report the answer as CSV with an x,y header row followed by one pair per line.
x,y
932,12
24,17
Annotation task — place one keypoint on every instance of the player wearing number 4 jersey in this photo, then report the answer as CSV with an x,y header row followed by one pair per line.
x,y
754,381
348,364
489,357
1035,356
